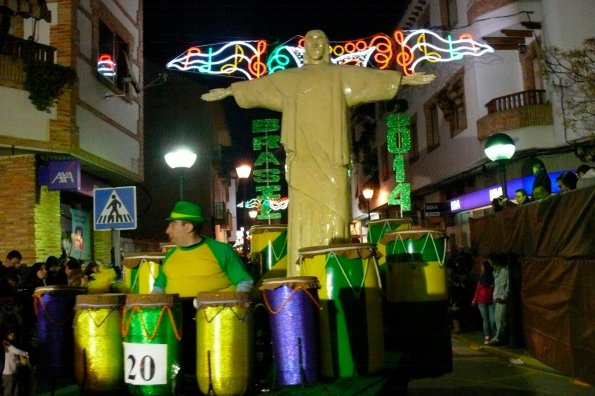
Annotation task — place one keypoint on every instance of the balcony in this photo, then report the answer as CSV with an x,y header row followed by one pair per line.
x,y
519,110
14,52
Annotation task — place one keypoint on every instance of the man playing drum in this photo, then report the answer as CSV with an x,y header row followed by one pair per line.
x,y
198,263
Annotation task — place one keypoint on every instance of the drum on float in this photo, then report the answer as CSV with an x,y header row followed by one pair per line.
x,y
151,327
293,306
268,249
98,351
376,231
224,342
351,334
416,309
53,307
140,271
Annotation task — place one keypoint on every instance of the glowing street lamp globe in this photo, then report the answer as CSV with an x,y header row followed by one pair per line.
x,y
499,146
181,158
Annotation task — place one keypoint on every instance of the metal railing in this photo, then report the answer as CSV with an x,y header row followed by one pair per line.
x,y
516,100
26,50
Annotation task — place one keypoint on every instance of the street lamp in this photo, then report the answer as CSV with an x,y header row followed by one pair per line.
x,y
181,158
253,213
368,193
243,171
500,148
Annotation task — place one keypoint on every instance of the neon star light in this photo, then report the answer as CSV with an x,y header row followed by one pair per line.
x,y
252,59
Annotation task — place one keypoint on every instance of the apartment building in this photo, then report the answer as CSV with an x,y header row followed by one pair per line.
x,y
504,91
54,150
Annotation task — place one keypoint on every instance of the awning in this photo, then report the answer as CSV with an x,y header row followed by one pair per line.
x,y
37,9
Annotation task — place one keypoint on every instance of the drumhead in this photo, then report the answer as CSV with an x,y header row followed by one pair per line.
x,y
148,300
218,298
413,234
133,260
308,282
99,300
260,229
60,289
349,250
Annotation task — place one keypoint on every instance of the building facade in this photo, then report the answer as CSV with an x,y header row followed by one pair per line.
x,y
504,91
91,135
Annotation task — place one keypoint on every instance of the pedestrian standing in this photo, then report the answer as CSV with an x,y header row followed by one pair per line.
x,y
501,293
484,300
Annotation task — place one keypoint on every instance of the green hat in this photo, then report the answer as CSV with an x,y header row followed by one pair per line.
x,y
187,211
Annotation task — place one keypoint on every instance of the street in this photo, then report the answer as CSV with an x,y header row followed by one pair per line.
x,y
477,372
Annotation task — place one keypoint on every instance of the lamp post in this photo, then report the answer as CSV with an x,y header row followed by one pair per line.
x,y
243,171
181,158
368,193
500,148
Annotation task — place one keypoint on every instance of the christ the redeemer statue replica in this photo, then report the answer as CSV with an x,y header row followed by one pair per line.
x,y
315,101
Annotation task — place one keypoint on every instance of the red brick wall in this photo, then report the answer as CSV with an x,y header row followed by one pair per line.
x,y
17,205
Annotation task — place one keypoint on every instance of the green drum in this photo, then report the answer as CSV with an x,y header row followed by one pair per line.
x,y
268,251
351,334
151,327
376,231
416,307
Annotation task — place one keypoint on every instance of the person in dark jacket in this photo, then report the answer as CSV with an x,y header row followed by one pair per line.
x,y
542,179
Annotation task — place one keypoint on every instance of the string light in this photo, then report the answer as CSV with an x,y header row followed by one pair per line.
x,y
268,201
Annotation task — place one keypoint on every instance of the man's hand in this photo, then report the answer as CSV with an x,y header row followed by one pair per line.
x,y
418,79
216,94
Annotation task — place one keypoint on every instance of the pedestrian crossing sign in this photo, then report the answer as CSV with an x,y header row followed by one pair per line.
x,y
114,208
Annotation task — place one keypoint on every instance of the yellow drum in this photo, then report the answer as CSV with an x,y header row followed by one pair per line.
x,y
415,260
224,342
351,333
269,251
140,271
98,353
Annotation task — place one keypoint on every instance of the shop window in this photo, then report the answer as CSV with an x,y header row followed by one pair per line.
x,y
432,125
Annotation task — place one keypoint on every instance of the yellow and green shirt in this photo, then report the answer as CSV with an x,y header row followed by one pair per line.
x,y
208,266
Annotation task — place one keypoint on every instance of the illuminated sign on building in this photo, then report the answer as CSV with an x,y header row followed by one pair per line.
x,y
399,143
249,59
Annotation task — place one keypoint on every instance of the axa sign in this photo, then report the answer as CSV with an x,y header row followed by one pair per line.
x,y
64,175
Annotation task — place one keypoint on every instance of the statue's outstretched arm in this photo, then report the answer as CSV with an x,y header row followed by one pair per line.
x,y
217,94
418,79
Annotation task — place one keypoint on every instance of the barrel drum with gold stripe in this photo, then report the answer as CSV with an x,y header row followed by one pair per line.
x,y
141,270
268,251
224,342
416,308
98,353
351,334
151,327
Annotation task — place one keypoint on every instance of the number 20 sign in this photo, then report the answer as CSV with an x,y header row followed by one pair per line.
x,y
145,364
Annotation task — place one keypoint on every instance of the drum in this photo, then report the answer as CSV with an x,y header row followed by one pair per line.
x,y
416,309
151,329
292,304
351,336
376,231
98,353
415,260
224,338
141,270
269,251
53,307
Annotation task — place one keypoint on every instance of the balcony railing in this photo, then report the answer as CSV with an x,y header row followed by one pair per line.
x,y
516,100
26,49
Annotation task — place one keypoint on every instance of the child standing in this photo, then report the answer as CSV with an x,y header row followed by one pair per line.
x,y
483,299
12,357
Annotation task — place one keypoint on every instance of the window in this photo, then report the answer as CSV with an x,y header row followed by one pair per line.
x,y
432,125
414,151
449,13
112,53
451,100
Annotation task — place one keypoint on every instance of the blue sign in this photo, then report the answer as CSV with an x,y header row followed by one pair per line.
x,y
114,208
61,175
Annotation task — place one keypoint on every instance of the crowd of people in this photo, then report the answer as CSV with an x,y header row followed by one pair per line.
x,y
583,176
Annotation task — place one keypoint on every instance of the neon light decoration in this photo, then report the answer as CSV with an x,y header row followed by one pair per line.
x,y
248,59
106,66
267,174
399,143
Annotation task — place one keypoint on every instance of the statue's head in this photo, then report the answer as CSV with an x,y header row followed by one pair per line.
x,y
317,49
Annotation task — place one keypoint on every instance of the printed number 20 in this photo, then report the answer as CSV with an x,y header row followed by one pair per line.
x,y
146,370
